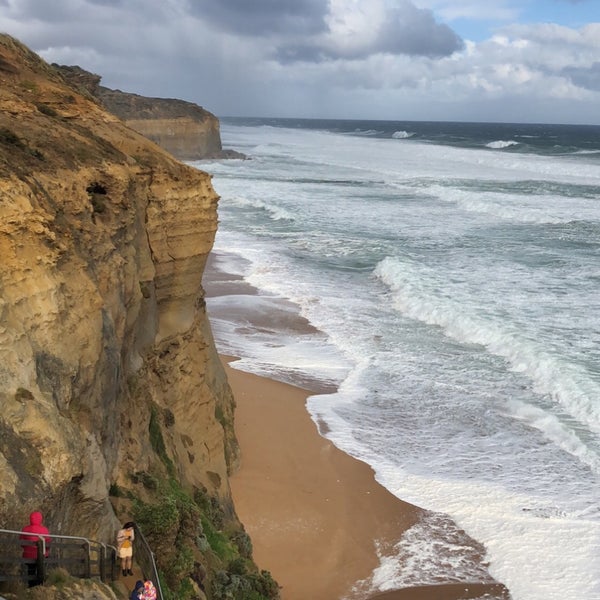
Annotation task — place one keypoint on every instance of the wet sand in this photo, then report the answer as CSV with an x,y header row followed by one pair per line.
x,y
314,513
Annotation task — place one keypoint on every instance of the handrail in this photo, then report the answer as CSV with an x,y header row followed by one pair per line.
x,y
145,555
41,537
55,555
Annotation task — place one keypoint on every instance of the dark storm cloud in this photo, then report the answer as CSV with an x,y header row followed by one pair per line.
x,y
407,30
414,31
55,12
262,17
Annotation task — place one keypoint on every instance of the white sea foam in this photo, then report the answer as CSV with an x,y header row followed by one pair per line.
x,y
468,364
431,552
530,208
368,132
402,135
499,144
555,431
514,530
416,295
275,212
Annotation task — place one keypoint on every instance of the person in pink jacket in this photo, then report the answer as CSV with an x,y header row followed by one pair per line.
x,y
149,591
29,539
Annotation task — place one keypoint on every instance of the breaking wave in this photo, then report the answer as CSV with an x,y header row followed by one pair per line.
x,y
499,144
275,212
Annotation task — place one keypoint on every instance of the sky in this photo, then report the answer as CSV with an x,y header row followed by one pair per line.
x,y
427,60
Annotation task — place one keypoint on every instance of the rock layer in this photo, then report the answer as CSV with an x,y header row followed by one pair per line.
x,y
103,238
184,129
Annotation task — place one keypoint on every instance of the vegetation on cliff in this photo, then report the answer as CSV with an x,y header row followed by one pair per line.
x,y
113,402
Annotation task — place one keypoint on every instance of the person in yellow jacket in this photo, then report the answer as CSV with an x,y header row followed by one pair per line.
x,y
125,537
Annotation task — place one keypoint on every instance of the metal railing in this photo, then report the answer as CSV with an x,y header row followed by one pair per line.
x,y
79,556
143,555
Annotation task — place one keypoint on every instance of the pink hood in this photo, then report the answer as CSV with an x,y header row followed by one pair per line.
x,y
35,527
36,518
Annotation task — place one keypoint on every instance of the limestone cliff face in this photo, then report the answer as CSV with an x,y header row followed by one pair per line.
x,y
103,238
184,129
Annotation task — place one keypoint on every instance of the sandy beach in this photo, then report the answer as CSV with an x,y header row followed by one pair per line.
x,y
314,513
316,516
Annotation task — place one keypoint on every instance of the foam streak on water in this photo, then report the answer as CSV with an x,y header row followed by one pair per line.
x,y
451,273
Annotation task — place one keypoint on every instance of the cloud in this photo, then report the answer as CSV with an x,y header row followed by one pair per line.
x,y
588,78
358,29
321,58
263,17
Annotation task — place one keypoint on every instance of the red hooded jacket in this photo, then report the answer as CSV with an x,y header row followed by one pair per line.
x,y
35,526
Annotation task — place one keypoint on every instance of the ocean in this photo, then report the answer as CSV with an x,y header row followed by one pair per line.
x,y
451,275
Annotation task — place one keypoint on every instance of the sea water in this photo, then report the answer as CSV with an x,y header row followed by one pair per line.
x,y
451,273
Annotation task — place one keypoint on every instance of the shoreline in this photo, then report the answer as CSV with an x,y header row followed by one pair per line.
x,y
316,515
318,519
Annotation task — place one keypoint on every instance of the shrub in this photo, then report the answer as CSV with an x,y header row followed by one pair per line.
x,y
30,86
218,541
115,491
146,479
238,566
156,519
168,417
58,578
244,544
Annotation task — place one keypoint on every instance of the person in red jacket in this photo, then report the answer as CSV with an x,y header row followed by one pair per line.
x,y
29,543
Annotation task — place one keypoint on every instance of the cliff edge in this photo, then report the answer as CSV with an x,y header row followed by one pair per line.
x,y
184,129
113,402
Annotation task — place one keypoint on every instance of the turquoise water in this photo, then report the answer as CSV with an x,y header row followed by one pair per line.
x,y
452,272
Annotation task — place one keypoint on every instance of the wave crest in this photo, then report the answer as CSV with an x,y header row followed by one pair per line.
x,y
275,213
423,297
499,144
402,135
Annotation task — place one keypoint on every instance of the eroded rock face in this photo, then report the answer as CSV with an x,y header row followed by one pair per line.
x,y
103,238
186,130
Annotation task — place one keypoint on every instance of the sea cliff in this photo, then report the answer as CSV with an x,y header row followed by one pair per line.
x,y
186,130
113,403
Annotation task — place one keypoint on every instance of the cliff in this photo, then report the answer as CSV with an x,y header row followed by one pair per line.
x,y
184,129
113,403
